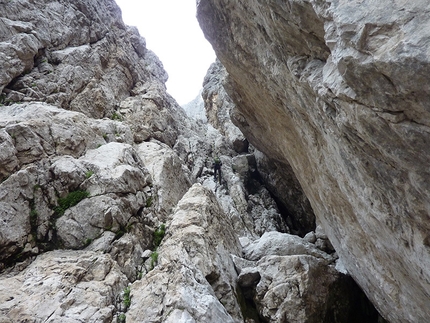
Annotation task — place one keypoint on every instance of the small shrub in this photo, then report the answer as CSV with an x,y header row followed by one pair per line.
x,y
33,217
149,201
154,259
70,200
87,242
121,318
116,116
89,173
159,235
33,214
127,300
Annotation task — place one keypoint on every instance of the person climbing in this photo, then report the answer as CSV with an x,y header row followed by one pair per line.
x,y
217,169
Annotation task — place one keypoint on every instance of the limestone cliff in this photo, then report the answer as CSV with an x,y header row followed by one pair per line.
x,y
339,90
109,207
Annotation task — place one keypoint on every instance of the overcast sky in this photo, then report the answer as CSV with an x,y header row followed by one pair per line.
x,y
172,32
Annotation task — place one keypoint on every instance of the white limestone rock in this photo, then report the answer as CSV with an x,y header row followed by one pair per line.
x,y
167,172
63,286
8,160
194,278
196,108
248,204
256,168
339,91
115,186
218,105
117,169
52,49
294,288
281,244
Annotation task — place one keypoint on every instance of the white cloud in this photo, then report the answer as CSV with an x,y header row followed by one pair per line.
x,y
172,32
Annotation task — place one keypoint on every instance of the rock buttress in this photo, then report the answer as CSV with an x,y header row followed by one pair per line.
x,y
339,90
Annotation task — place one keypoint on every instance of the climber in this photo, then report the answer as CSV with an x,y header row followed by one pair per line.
x,y
217,169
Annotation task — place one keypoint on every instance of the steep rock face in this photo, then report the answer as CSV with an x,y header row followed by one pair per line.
x,y
94,173
79,93
194,266
218,105
70,54
339,90
196,108
165,166
281,276
278,178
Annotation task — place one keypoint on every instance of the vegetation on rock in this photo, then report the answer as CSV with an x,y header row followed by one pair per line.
x,y
70,200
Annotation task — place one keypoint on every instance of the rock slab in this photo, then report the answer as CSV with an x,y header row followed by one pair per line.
x,y
339,90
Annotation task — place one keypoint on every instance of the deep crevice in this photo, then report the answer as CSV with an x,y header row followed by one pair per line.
x,y
245,298
253,183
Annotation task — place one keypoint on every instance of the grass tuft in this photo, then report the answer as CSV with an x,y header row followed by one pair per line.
x,y
70,200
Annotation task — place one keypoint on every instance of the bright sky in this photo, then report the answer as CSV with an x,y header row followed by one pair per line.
x,y
172,32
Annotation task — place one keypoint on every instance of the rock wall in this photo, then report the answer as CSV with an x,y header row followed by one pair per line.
x,y
108,203
278,178
339,91
86,130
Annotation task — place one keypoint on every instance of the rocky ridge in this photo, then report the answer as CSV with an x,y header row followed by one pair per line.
x,y
338,92
109,209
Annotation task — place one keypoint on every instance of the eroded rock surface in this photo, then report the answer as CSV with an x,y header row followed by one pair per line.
x,y
284,277
194,267
339,91
63,286
99,165
278,177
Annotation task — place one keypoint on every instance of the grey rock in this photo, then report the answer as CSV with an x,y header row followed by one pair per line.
x,y
196,108
8,159
66,286
310,237
218,105
167,173
194,272
281,244
338,90
291,287
85,109
280,180
248,277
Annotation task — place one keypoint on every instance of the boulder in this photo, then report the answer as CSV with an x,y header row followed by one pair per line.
x,y
63,286
168,174
281,244
285,278
304,288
